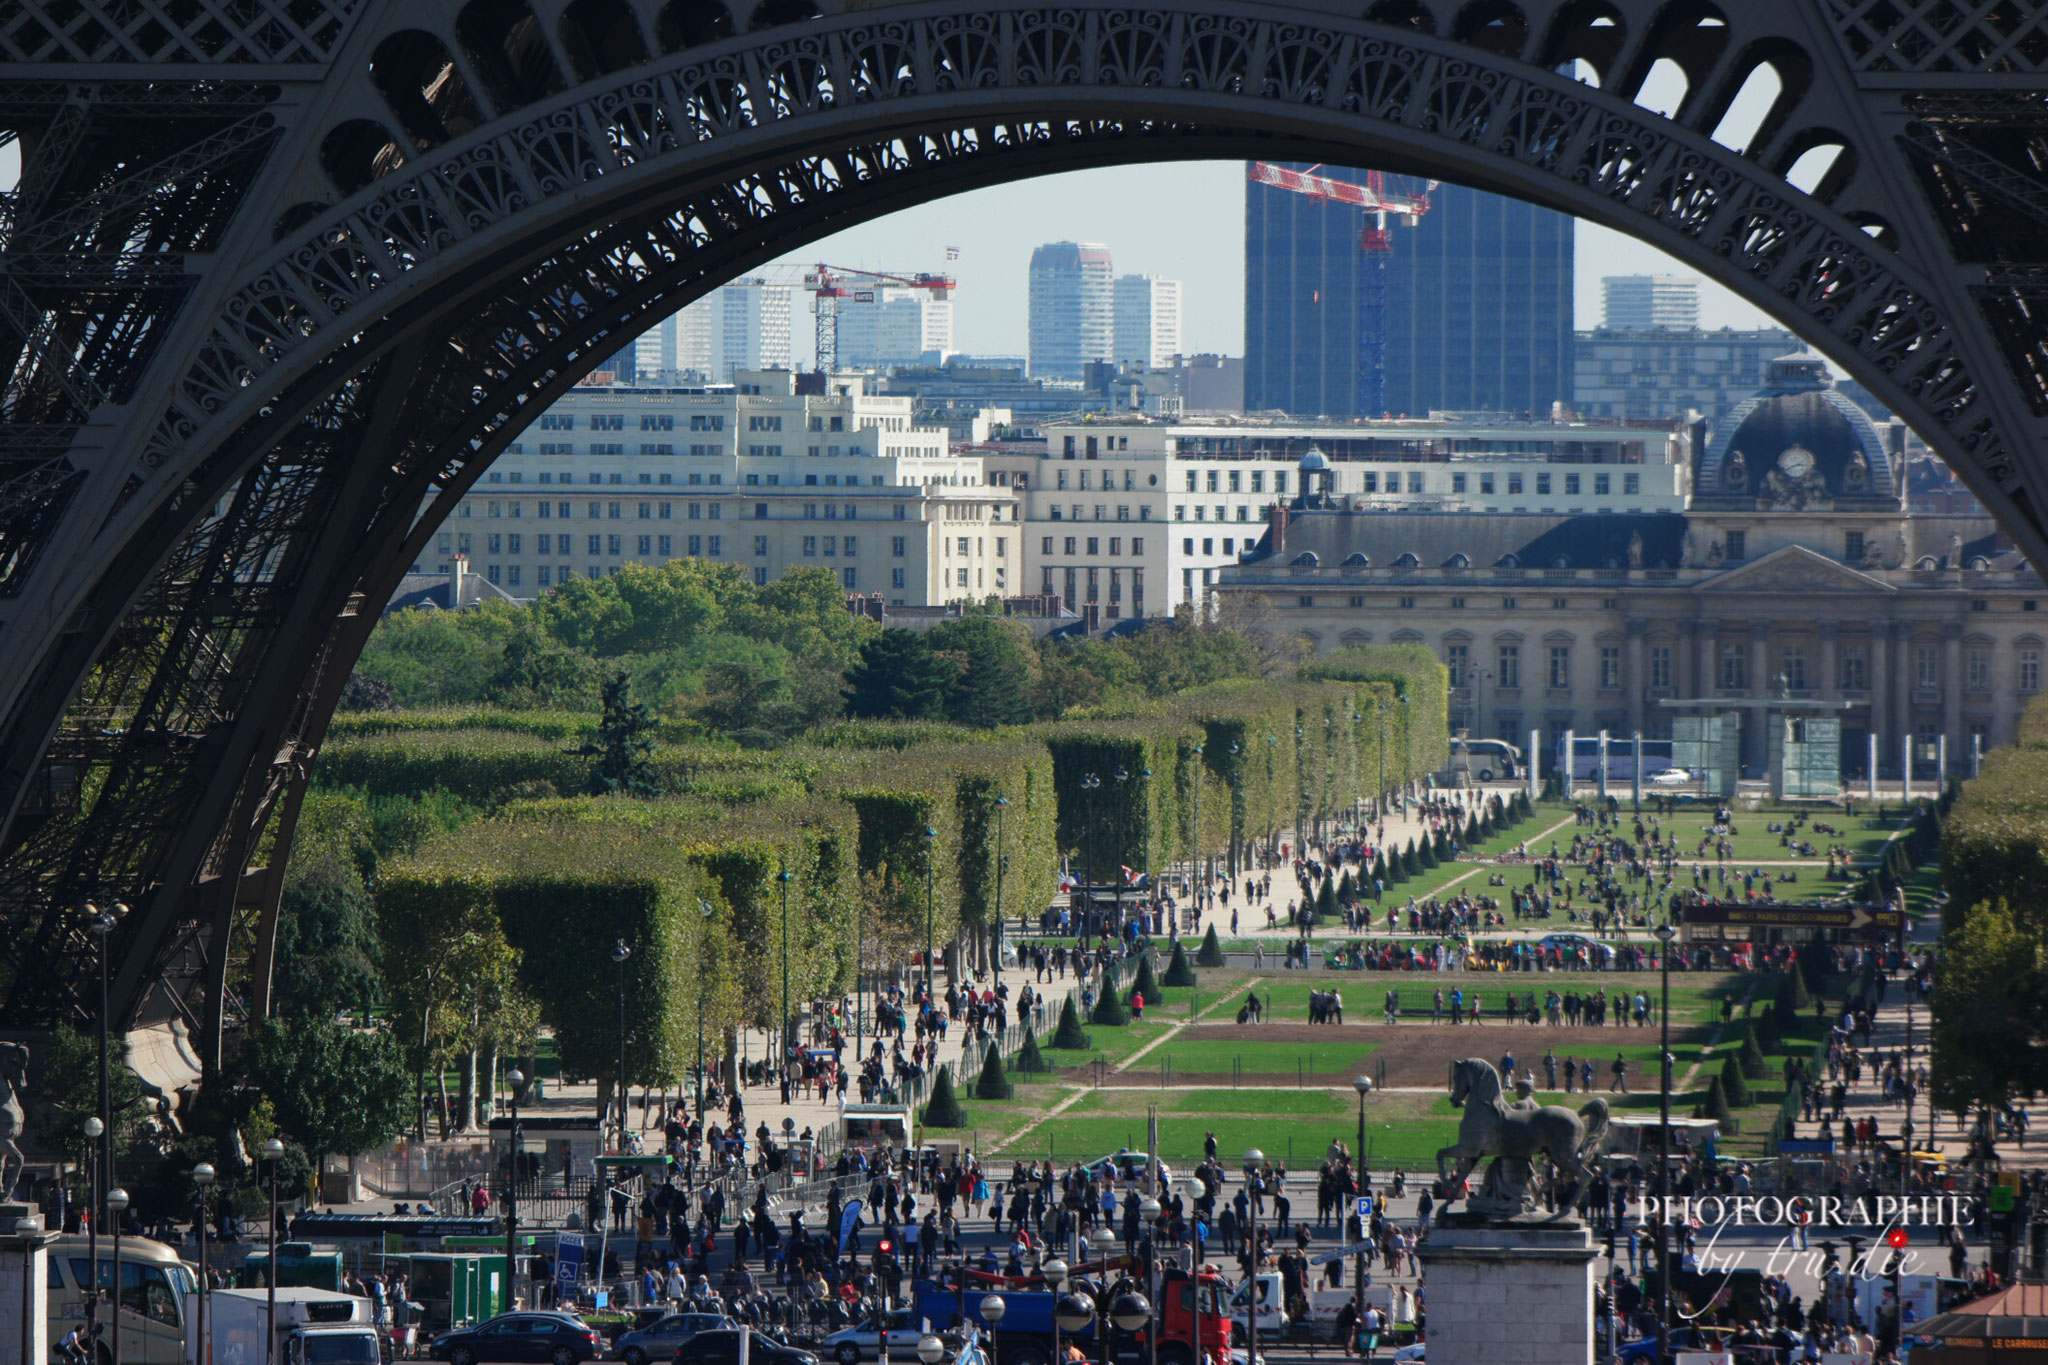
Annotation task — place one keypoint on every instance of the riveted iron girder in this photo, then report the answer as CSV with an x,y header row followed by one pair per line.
x,y
358,244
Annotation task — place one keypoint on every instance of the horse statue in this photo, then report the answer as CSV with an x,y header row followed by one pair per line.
x,y
13,1080
1513,1134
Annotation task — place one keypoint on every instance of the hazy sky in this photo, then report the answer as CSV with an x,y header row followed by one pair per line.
x,y
1184,221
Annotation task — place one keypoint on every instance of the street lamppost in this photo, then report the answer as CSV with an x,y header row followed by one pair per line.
x,y
1665,934
1253,1160
931,858
709,911
273,1153
1379,724
1091,784
1234,853
992,1309
1363,1085
1055,1273
1197,857
515,1081
93,1128
1148,1209
930,1349
117,1207
202,1176
620,952
1002,866
785,877
1407,747
1074,1313
99,1127
1121,777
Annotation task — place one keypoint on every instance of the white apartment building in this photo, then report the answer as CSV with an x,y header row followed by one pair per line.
x,y
1147,312
758,474
1133,517
741,326
1072,309
893,324
1646,302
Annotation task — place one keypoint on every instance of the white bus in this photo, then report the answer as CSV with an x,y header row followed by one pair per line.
x,y
154,1283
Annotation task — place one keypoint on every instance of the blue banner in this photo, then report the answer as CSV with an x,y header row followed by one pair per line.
x,y
568,1264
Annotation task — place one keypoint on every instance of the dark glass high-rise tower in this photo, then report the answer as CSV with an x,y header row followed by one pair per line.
x,y
1479,304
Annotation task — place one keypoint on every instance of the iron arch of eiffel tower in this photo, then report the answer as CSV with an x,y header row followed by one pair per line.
x,y
278,272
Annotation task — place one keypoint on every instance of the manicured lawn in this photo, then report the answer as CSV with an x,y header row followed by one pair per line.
x,y
1922,887
1693,999
1755,843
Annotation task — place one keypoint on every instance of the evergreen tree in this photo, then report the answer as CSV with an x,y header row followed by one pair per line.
x,y
992,1085
943,1110
1411,862
1734,1085
1795,983
1715,1106
1179,971
1326,899
1442,840
1753,1065
1146,983
1474,832
1210,954
1816,964
624,747
898,675
1426,854
1785,1006
991,667
1029,1059
1069,1034
1110,1009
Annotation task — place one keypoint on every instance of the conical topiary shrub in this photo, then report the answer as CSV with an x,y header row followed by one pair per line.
x,y
1442,846
1411,862
1380,872
1029,1059
1210,954
1715,1106
1179,971
943,1109
1473,832
1146,982
1326,898
992,1083
1110,1009
1754,1067
1069,1034
1427,853
1734,1085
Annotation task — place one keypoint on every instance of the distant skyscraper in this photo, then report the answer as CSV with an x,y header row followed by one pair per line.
x,y
654,352
743,326
1639,303
887,324
1479,304
1147,318
1073,313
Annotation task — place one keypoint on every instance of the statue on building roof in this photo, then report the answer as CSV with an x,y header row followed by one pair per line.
x,y
1635,550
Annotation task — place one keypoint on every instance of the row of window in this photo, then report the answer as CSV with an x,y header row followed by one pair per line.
x,y
1852,667
548,476
1180,513
1055,512
1094,544
1210,481
1070,584
664,511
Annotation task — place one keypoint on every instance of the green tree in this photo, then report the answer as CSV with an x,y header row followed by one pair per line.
x,y
536,672
993,671
326,934
70,1087
1179,971
1110,1009
737,696
1715,1106
1069,1035
1754,1066
1734,1084
624,747
1210,954
943,1109
992,1083
1326,898
1146,982
1991,1009
334,1089
1816,964
1029,1059
898,676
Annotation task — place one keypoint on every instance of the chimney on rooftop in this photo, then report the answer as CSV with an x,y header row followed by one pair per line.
x,y
1277,524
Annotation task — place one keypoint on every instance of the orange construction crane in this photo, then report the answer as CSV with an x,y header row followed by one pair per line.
x,y
830,283
1376,240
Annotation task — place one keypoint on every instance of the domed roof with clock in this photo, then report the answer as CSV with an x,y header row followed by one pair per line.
x,y
1799,443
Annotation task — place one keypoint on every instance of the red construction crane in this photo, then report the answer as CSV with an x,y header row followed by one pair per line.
x,y
1376,240
830,283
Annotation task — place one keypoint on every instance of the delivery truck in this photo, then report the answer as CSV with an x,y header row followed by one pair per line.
x,y
314,1327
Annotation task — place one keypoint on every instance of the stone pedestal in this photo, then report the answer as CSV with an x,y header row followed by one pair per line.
x,y
1517,1291
24,1302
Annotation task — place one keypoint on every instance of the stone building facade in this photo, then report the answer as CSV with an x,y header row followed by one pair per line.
x,y
1797,557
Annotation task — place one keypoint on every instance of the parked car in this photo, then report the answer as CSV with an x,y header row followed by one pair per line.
x,y
660,1340
1129,1167
1597,953
851,1345
510,1338
1671,777
722,1347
